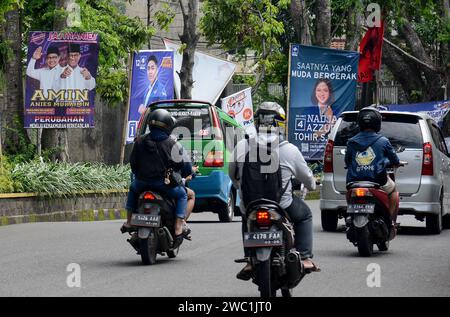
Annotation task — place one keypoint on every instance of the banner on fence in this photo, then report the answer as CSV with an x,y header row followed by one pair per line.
x,y
61,79
322,84
436,109
151,80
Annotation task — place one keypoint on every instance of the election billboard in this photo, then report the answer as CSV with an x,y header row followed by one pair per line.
x,y
151,80
239,106
61,79
322,84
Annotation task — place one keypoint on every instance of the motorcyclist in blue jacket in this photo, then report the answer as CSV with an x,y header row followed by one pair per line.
x,y
369,153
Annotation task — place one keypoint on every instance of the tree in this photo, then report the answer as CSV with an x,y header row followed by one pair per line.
x,y
242,26
189,40
13,137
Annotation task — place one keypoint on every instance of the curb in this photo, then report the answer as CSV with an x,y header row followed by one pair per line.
x,y
72,216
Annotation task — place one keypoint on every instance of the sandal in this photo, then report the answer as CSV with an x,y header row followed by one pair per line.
x,y
186,233
245,274
125,228
313,268
177,241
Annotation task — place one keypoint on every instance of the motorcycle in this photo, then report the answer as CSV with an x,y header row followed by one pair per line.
x,y
152,227
368,220
270,237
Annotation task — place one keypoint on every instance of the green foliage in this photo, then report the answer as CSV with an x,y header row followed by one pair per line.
x,y
63,179
7,184
22,150
164,17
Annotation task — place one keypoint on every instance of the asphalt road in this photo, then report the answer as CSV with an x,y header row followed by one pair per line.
x,y
34,259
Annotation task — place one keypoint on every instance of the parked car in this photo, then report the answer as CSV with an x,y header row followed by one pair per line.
x,y
423,184
211,139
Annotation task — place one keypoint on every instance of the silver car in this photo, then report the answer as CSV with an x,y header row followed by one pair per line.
x,y
423,184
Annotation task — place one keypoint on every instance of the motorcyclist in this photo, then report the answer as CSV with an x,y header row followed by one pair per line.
x,y
369,153
152,154
269,122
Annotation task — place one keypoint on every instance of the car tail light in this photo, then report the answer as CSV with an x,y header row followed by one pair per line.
x,y
214,159
263,218
427,162
216,125
148,196
328,157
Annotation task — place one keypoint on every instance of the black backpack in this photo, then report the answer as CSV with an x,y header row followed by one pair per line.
x,y
256,183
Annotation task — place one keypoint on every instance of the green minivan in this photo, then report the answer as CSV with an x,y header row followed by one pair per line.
x,y
209,135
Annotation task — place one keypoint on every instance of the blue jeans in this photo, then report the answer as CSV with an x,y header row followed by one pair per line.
x,y
178,193
301,217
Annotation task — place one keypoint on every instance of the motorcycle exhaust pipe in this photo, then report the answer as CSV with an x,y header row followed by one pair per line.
x,y
164,238
294,267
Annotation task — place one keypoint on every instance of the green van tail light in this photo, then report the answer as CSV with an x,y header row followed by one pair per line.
x,y
214,159
216,125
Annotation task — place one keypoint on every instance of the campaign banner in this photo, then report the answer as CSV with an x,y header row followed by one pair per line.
x,y
151,80
210,74
61,80
240,106
322,84
436,109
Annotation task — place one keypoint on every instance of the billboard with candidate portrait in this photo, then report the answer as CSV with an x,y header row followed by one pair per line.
x,y
239,106
61,79
151,80
322,84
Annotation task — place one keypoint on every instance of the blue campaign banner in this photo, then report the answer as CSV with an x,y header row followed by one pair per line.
x,y
435,109
322,84
151,80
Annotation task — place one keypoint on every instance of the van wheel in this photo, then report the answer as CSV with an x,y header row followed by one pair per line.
x,y
329,220
434,222
446,222
226,213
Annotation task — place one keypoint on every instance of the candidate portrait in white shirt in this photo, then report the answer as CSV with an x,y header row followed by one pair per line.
x,y
48,74
73,76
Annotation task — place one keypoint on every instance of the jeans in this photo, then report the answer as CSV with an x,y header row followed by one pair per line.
x,y
178,193
301,216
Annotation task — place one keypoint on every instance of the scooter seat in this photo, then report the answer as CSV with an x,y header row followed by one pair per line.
x,y
363,184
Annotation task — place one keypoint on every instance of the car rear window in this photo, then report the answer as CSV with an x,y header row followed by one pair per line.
x,y
401,130
196,119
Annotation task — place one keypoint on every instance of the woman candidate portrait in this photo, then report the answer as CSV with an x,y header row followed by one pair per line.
x,y
322,96
155,90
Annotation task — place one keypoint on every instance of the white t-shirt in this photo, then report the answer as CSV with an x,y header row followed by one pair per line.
x,y
75,81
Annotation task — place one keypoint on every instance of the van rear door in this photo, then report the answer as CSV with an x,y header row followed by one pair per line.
x,y
404,133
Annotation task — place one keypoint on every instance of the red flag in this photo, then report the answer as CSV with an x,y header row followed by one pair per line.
x,y
370,50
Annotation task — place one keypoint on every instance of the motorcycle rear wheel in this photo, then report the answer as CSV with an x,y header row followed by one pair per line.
x,y
263,278
364,241
149,248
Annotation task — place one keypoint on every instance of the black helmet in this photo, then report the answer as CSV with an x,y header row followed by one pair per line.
x,y
369,118
161,118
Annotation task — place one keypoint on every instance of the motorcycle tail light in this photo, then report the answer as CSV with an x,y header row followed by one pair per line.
x,y
263,218
361,192
149,196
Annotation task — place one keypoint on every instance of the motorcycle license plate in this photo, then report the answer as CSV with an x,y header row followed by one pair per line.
x,y
140,220
263,239
361,208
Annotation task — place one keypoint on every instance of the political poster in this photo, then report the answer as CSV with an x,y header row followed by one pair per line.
x,y
151,80
210,74
436,109
322,84
61,79
239,106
